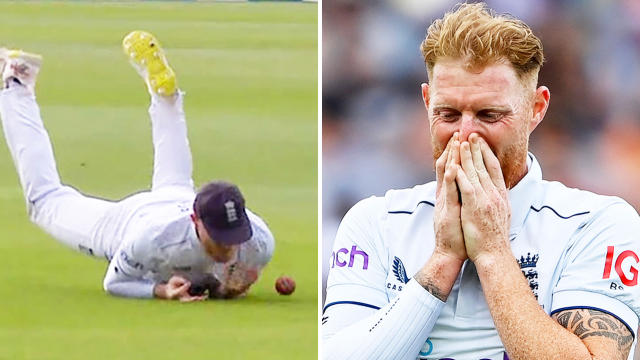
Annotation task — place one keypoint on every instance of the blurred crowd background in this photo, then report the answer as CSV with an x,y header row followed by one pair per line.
x,y
375,133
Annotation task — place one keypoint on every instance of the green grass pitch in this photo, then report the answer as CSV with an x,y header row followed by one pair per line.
x,y
250,73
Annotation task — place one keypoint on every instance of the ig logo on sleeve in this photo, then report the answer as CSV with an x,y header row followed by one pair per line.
x,y
631,280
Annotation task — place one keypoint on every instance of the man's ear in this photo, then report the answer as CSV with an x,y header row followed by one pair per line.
x,y
540,106
425,95
194,217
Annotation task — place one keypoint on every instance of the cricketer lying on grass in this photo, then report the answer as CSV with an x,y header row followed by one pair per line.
x,y
168,242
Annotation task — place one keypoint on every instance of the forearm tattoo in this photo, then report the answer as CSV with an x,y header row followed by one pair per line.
x,y
434,290
585,323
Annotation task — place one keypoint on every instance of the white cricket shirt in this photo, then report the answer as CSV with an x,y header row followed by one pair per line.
x,y
148,237
576,249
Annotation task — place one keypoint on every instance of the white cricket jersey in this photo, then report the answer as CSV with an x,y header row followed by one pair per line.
x,y
576,249
148,237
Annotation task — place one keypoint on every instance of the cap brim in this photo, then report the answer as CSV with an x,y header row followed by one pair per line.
x,y
234,236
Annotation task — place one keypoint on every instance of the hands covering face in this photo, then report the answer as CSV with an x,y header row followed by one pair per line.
x,y
476,222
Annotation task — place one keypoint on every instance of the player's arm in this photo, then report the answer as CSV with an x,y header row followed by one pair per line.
x,y
526,331
594,296
359,321
601,333
228,281
124,278
236,286
237,277
122,281
125,274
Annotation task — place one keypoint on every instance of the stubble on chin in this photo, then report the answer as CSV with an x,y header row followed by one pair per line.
x,y
513,162
437,151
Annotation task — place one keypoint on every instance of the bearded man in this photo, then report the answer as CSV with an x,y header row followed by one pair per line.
x,y
489,261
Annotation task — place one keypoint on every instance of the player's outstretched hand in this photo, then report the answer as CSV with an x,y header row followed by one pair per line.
x,y
177,288
239,279
446,218
486,214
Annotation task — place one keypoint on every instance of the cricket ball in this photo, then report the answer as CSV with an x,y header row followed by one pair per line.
x,y
285,285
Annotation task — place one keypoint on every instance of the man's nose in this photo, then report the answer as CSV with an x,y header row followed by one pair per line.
x,y
467,126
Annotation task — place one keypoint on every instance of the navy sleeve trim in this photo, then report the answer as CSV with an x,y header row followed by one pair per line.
x,y
411,212
598,309
349,302
555,212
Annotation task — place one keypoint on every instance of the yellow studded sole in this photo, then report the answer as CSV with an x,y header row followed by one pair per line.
x,y
145,52
31,58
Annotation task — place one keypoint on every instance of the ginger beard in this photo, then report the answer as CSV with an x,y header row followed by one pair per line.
x,y
512,157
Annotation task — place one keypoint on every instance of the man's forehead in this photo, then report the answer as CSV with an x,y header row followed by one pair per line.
x,y
455,75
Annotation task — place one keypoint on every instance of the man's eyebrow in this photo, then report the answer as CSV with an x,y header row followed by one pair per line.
x,y
502,109
497,108
444,107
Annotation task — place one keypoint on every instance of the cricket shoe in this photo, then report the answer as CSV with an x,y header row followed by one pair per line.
x,y
19,66
148,58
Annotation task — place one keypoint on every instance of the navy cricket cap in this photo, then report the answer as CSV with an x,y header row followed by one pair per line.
x,y
220,206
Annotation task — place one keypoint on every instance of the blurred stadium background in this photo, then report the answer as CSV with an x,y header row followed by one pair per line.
x,y
250,73
374,126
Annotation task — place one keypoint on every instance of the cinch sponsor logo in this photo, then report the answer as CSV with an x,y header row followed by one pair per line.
x,y
340,261
629,281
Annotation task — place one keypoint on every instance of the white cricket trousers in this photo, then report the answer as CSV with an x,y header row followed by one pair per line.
x,y
61,210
